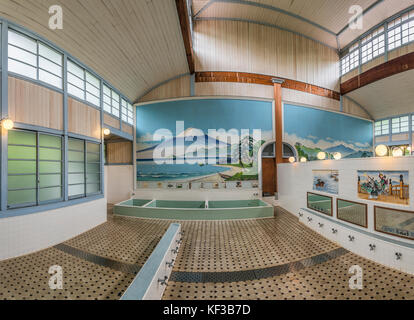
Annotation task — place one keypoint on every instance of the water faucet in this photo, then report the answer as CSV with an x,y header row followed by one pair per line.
x,y
320,225
170,264
398,255
334,231
372,247
175,251
310,219
351,238
163,282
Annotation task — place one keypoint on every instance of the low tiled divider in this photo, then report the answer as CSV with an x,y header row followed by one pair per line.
x,y
195,210
150,282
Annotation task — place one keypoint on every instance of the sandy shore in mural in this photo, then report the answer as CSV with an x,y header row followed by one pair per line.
x,y
215,178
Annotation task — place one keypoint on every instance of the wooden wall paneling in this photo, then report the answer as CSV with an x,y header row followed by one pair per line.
x,y
119,152
268,176
128,129
243,47
83,119
111,121
401,51
176,88
33,104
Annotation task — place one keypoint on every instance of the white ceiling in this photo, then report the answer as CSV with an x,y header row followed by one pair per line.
x,y
330,15
132,44
388,97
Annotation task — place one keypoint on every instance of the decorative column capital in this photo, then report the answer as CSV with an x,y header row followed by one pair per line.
x,y
278,81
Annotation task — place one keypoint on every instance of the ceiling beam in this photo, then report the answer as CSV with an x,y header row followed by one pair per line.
x,y
385,70
184,18
204,8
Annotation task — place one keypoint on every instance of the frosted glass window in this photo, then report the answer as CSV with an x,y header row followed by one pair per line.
x,y
382,127
76,80
93,89
76,176
19,40
35,60
34,168
93,169
400,125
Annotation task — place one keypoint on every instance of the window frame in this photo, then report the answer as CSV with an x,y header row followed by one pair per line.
x,y
37,174
37,56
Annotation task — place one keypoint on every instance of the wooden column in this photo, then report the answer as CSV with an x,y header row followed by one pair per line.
x,y
277,83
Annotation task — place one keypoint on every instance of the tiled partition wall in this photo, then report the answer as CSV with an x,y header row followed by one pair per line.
x,y
296,180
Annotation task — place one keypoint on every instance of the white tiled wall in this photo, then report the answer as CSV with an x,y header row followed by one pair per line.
x,y
295,180
119,183
33,232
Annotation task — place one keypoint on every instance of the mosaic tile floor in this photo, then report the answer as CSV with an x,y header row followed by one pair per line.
x,y
275,258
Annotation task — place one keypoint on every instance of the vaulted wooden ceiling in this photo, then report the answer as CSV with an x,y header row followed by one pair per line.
x,y
322,20
132,44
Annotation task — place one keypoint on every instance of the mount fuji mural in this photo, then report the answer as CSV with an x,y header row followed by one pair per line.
x,y
201,140
312,131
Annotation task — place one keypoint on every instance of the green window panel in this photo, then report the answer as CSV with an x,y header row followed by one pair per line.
x,y
22,137
50,141
93,157
21,197
93,188
93,178
21,167
76,167
75,178
20,152
76,156
93,168
76,144
50,194
22,182
93,147
50,154
50,167
76,190
50,180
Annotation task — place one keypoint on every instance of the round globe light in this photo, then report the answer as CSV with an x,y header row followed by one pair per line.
x,y
303,159
397,152
7,124
381,150
292,159
107,132
337,156
321,155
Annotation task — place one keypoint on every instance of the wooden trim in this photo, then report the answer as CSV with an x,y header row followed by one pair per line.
x,y
359,203
243,77
186,32
385,70
392,209
322,195
279,127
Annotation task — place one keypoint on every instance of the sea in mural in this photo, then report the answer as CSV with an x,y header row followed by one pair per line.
x,y
176,140
312,130
326,181
384,186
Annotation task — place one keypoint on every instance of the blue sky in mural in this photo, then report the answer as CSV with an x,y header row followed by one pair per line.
x,y
204,114
313,130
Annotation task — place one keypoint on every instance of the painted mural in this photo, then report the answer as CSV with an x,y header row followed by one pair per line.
x,y
384,186
201,143
326,181
312,131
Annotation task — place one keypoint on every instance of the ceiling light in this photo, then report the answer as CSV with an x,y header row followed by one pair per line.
x,y
7,124
381,150
321,155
